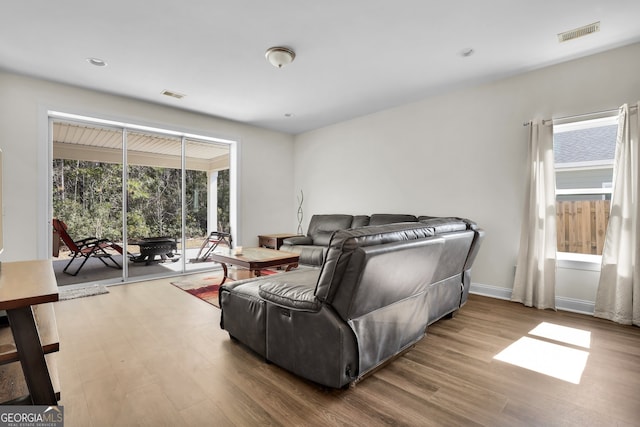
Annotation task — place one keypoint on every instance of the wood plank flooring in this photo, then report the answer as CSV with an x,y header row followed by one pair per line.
x,y
150,354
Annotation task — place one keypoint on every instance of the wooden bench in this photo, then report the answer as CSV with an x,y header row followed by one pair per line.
x,y
27,290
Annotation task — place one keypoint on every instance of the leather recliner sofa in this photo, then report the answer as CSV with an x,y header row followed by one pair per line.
x,y
377,290
312,247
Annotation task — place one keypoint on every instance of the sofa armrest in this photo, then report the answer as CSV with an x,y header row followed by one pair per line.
x,y
295,296
298,240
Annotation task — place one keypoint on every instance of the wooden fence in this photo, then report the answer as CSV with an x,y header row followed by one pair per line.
x,y
582,225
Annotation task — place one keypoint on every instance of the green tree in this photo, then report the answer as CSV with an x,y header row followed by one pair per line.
x,y
223,201
88,197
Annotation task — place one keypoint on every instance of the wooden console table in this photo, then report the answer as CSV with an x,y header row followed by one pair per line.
x,y
27,291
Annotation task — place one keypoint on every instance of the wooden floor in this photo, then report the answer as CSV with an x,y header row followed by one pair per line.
x,y
150,354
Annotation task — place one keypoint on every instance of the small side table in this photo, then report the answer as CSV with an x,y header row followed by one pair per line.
x,y
273,241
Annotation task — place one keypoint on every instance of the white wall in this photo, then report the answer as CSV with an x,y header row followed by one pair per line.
x,y
460,154
265,187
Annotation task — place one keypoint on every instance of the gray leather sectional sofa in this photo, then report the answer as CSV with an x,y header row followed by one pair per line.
x,y
375,292
313,246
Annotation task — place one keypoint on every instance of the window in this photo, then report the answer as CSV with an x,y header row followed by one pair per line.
x,y
584,153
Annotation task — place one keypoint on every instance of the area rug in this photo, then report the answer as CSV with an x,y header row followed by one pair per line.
x,y
88,291
207,286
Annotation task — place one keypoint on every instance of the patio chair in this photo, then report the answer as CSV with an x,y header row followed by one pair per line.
x,y
210,243
90,247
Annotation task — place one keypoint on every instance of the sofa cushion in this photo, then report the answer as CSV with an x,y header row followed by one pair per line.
x,y
298,240
293,290
322,238
382,219
360,221
309,254
329,222
445,224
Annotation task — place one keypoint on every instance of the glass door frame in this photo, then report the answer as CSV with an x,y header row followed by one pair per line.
x,y
124,128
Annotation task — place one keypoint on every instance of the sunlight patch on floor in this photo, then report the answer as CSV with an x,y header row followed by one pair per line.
x,y
564,334
560,360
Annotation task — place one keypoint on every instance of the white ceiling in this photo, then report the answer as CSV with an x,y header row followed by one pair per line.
x,y
354,57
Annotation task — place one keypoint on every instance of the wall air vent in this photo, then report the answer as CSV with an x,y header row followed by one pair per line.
x,y
579,32
173,94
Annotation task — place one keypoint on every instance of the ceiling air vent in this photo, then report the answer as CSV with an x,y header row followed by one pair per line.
x,y
579,32
173,94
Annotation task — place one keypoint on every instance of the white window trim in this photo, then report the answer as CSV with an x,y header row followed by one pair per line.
x,y
574,261
570,260
586,165
582,191
611,118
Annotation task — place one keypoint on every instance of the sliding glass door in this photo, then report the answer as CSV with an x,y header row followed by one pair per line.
x,y
86,196
154,203
157,195
206,200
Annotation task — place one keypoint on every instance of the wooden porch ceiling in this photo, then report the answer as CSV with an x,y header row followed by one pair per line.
x,y
75,141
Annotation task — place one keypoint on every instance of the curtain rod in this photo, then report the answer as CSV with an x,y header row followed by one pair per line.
x,y
593,113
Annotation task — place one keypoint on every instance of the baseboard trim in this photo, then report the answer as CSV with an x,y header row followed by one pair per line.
x,y
575,305
562,303
490,291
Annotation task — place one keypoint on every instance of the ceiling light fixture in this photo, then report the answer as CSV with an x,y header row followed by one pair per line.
x,y
280,56
97,62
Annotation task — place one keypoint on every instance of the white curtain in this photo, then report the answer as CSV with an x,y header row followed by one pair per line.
x,y
618,296
534,284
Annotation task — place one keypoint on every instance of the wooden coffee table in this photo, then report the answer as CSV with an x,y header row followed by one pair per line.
x,y
254,259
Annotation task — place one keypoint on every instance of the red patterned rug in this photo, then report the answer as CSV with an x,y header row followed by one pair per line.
x,y
207,285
